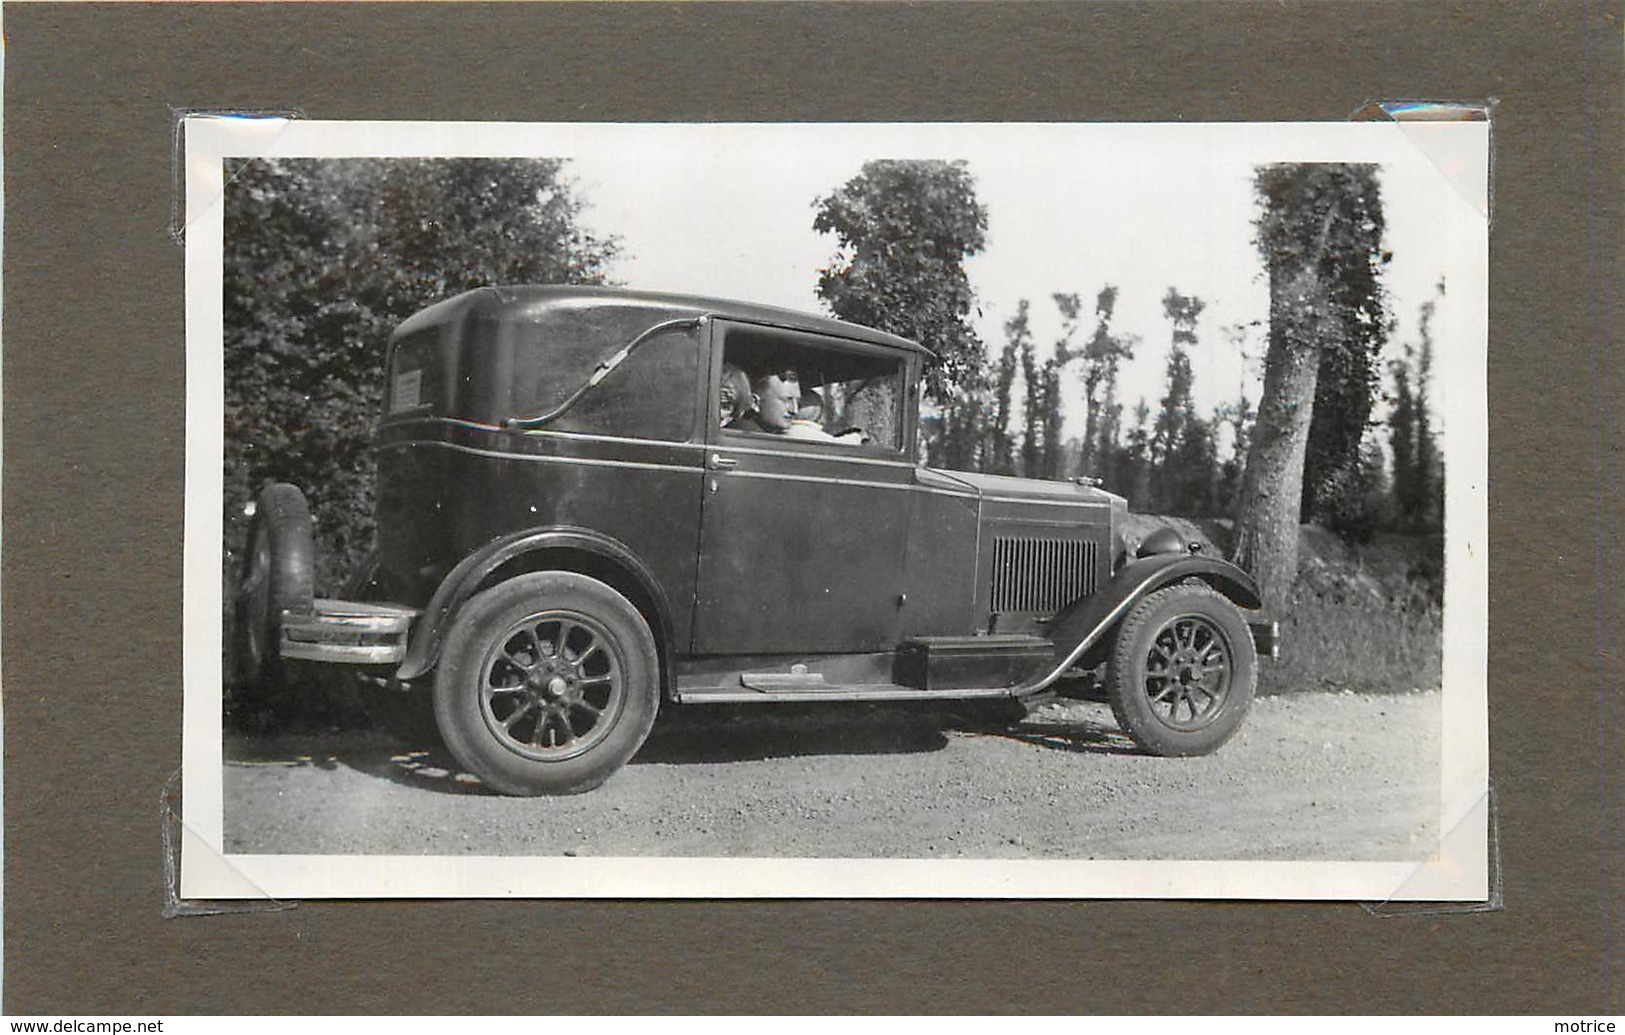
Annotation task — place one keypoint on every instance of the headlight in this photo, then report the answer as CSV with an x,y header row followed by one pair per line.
x,y
1163,540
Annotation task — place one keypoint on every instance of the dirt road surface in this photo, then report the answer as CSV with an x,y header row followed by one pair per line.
x,y
1310,776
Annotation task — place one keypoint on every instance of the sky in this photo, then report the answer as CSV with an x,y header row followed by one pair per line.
x,y
727,210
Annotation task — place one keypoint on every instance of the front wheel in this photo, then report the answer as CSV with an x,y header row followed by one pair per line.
x,y
1182,671
547,684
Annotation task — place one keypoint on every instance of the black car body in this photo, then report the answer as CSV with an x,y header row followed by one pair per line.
x,y
568,535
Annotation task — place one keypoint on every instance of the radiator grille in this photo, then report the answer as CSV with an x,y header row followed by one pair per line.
x,y
1040,575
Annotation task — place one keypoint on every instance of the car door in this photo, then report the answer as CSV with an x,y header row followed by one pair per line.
x,y
803,540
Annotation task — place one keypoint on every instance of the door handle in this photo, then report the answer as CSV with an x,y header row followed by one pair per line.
x,y
716,461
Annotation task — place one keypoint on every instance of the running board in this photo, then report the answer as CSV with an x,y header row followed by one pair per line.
x,y
859,692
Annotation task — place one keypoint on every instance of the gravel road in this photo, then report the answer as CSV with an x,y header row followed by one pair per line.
x,y
1310,776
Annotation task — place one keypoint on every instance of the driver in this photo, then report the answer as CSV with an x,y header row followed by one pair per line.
x,y
775,397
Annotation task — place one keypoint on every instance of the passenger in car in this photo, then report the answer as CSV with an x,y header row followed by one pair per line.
x,y
774,397
809,418
733,394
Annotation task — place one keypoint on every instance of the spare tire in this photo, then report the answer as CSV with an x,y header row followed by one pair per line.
x,y
278,574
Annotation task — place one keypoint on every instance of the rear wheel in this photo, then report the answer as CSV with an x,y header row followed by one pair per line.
x,y
1182,672
547,684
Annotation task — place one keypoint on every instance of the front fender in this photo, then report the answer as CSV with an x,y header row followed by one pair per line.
x,y
461,583
1082,624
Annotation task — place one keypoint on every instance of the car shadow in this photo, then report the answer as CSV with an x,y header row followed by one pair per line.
x,y
720,733
409,762
1079,737
715,734
712,735
1075,726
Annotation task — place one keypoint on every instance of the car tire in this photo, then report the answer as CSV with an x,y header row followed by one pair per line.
x,y
547,684
278,574
1182,671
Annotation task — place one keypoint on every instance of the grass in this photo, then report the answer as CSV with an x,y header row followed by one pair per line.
x,y
1363,646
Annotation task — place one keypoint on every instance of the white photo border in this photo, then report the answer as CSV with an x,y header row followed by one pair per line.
x,y
1457,871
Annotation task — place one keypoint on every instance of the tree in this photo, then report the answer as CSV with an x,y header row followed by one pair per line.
x,y
1001,444
1032,395
1315,235
1347,383
1181,449
1134,471
905,229
1238,416
1429,461
1108,450
1102,357
1051,451
964,427
322,258
1418,480
1402,441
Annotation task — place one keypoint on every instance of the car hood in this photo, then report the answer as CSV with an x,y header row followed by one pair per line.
x,y
1003,485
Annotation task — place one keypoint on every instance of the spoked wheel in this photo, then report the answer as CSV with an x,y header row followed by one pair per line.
x,y
553,687
548,684
1182,672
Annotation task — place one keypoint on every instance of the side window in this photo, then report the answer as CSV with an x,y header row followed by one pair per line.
x,y
649,395
798,386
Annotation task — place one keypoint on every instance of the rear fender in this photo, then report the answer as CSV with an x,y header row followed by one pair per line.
x,y
1086,622
470,574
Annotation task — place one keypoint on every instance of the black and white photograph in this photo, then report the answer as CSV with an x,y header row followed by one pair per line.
x,y
1038,510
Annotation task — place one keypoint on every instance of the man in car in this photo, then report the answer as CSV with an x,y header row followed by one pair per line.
x,y
776,396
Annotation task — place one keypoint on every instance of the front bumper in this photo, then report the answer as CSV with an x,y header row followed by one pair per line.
x,y
348,632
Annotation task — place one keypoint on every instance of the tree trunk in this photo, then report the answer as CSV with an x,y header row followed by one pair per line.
x,y
1272,487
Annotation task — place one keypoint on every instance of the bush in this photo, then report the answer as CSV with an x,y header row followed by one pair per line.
x,y
1335,641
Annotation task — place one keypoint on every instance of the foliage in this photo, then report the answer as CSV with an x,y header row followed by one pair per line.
x,y
1238,417
1183,449
1418,480
321,259
957,438
1051,452
1360,504
1103,355
905,229
1000,454
1320,230
1132,476
1032,396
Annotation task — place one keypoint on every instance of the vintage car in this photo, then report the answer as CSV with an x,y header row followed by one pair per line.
x,y
570,537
